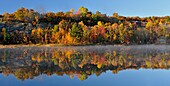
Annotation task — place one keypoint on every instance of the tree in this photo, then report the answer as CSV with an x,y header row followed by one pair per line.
x,y
69,39
40,35
6,36
149,24
50,16
26,15
6,16
34,36
83,10
86,33
99,23
115,15
111,34
121,33
32,16
21,13
76,32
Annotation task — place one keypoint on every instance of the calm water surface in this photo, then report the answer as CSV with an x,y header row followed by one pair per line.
x,y
144,65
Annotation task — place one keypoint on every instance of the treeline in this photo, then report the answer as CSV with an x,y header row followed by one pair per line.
x,y
26,26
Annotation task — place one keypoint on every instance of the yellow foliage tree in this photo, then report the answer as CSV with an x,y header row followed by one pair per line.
x,y
149,24
69,39
99,23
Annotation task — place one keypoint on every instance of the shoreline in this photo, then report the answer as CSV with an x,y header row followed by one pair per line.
x,y
57,45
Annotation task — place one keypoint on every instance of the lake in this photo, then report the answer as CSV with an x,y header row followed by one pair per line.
x,y
139,65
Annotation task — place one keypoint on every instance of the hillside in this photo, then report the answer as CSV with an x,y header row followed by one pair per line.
x,y
82,27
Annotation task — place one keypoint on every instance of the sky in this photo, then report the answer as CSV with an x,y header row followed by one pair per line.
x,y
141,8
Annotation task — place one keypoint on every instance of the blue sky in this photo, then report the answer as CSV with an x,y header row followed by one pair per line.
x,y
123,7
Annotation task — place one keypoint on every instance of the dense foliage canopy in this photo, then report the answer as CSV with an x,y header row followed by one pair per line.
x,y
26,26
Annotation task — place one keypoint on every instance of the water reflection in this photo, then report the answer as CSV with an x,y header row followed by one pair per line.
x,y
29,62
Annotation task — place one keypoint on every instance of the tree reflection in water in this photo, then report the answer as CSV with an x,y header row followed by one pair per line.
x,y
80,61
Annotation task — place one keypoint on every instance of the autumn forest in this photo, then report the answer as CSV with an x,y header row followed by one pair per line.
x,y
82,27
